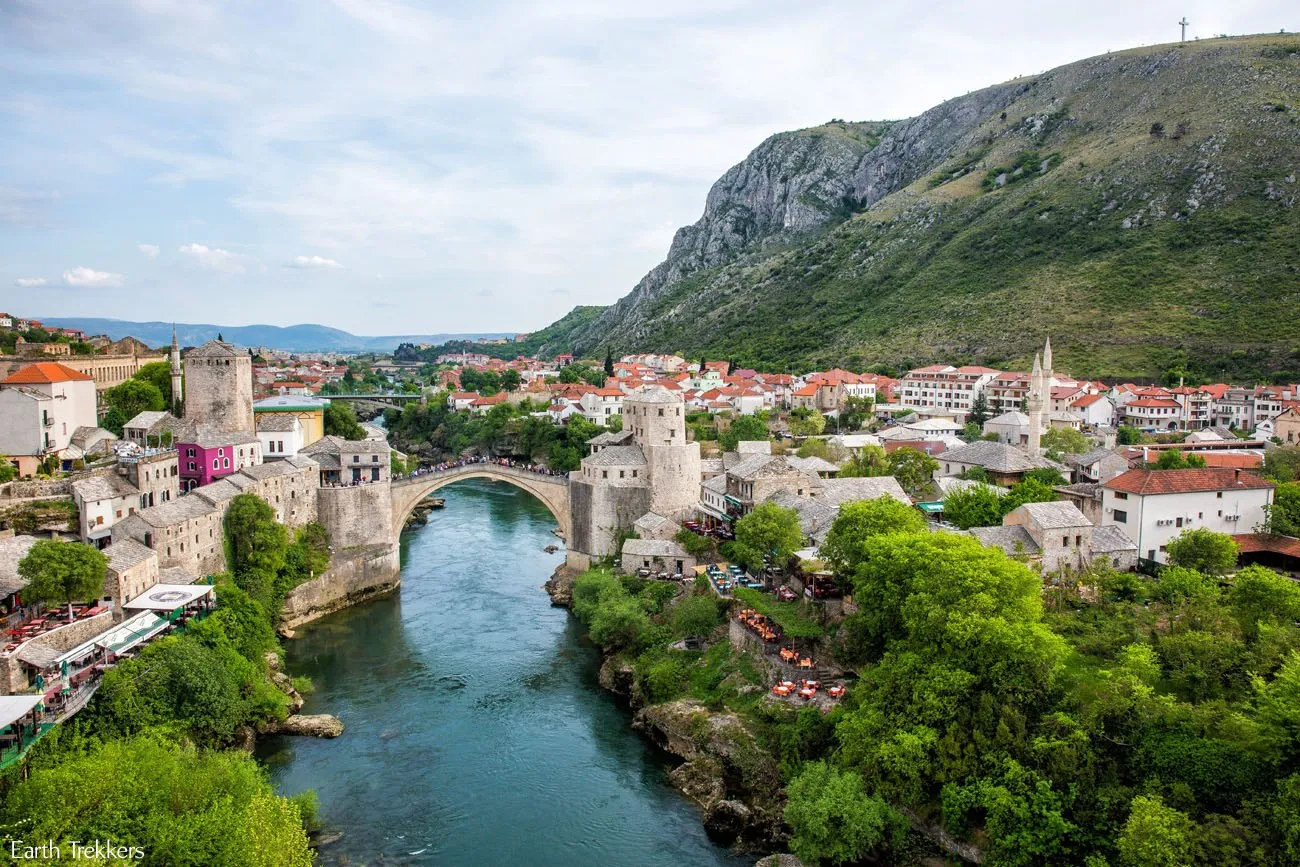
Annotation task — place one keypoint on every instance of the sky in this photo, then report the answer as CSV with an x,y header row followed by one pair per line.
x,y
396,167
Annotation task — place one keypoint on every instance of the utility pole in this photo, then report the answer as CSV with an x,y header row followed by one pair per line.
x,y
1183,24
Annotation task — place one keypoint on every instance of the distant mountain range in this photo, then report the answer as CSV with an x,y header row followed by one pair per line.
x,y
293,338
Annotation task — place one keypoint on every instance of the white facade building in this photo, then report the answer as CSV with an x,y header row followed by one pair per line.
x,y
1155,506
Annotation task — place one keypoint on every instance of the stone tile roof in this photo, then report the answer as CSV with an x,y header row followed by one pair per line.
x,y
277,422
125,553
749,468
208,437
219,492
650,521
146,419
1108,539
336,445
176,511
836,492
608,438
711,465
998,457
815,516
176,575
106,487
1011,417
717,484
813,465
1055,516
214,349
653,394
1006,538
1150,482
654,548
12,550
616,456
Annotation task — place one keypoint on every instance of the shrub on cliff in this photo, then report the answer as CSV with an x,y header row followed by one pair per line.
x,y
834,819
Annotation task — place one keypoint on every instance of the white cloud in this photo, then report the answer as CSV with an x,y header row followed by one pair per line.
x,y
150,250
213,258
313,262
29,282
90,278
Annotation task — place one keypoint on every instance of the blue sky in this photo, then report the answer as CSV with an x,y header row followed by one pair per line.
x,y
390,167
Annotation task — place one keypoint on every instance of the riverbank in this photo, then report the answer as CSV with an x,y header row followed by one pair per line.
x,y
724,766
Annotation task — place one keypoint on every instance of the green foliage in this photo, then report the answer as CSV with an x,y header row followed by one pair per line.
x,y
768,529
746,428
159,375
979,413
1284,514
1129,436
807,425
913,469
60,573
341,421
1203,550
1030,490
696,545
1282,463
858,522
835,820
1065,441
179,805
618,624
979,505
697,615
1155,835
1258,595
1177,459
869,462
1176,584
132,397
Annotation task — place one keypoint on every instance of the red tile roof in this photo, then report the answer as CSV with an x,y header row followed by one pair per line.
x,y
1252,543
1153,402
1087,400
44,373
1149,482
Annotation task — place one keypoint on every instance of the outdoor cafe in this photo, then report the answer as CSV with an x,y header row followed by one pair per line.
x,y
21,724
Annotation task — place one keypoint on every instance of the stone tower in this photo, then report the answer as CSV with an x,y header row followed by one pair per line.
x,y
657,419
1039,399
219,387
178,387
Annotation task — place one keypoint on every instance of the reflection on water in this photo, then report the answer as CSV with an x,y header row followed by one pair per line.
x,y
476,731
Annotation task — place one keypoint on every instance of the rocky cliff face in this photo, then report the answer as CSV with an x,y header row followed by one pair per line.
x,y
796,183
1138,206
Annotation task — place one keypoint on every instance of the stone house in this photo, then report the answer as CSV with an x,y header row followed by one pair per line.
x,y
1005,464
1058,536
208,453
657,555
132,569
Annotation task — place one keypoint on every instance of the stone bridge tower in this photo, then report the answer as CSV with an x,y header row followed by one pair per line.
x,y
657,418
219,387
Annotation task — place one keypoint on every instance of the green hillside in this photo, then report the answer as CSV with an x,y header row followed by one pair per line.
x,y
1139,207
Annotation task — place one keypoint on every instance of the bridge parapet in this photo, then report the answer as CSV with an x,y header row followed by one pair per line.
x,y
551,489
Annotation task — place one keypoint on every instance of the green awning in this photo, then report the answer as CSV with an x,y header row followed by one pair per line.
x,y
930,508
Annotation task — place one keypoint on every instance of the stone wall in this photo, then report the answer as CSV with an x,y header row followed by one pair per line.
x,y
13,675
353,576
599,511
23,489
358,515
219,391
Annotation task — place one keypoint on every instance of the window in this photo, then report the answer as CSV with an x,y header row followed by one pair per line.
x,y
216,463
621,474
189,453
1078,541
225,462
221,452
374,459
1120,495
634,474
1121,517
1220,513
1178,522
604,474
191,466
356,459
1065,541
661,412
1219,494
119,513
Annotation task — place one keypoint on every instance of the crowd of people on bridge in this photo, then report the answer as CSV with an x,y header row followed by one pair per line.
x,y
479,459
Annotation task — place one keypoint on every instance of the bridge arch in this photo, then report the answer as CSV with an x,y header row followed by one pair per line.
x,y
552,491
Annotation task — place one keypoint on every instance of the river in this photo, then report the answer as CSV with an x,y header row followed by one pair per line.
x,y
476,731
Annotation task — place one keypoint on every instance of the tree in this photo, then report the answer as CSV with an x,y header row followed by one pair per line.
x,y
697,615
609,363
1203,550
177,805
913,469
768,529
133,397
1047,475
975,505
1128,436
1028,491
1155,835
696,545
971,432
341,421
869,462
60,573
835,820
816,447
1260,595
1282,463
159,375
1065,441
1177,459
809,425
257,547
979,412
510,379
858,522
747,428
8,472
856,411
1283,515
618,623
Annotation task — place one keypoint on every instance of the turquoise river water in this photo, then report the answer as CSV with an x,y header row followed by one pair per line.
x,y
476,731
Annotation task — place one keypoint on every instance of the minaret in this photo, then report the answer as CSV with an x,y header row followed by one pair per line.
x,y
178,387
1034,406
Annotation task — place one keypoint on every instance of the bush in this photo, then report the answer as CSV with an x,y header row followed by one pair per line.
x,y
618,623
697,615
835,820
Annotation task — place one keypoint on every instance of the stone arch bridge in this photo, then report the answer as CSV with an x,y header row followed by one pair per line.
x,y
553,491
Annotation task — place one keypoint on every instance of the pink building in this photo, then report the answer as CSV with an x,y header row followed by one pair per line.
x,y
206,455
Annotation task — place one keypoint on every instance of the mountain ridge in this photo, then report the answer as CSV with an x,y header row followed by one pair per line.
x,y
1137,206
293,338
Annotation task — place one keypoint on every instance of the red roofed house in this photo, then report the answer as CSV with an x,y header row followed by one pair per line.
x,y
1097,410
458,400
482,405
1161,413
942,386
41,407
1155,506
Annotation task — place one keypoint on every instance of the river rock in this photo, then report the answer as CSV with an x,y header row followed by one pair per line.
x,y
245,739
560,587
728,821
316,725
617,676
700,780
325,838
783,859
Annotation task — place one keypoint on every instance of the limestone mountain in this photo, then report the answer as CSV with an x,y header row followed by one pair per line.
x,y
1139,207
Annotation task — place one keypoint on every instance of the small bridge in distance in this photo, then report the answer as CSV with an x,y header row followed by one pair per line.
x,y
552,490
